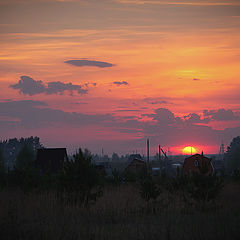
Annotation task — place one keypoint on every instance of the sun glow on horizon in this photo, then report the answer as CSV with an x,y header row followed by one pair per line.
x,y
189,150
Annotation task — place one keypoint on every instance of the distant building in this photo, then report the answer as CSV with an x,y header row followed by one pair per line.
x,y
104,168
135,166
50,160
219,167
134,156
198,164
156,171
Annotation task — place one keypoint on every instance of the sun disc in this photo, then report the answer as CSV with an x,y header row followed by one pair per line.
x,y
189,150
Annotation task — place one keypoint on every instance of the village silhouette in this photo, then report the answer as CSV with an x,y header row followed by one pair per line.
x,y
40,184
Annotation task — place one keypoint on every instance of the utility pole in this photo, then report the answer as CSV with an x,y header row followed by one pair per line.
x,y
148,153
159,153
159,156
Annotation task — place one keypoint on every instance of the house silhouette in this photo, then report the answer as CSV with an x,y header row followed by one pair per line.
x,y
198,164
51,160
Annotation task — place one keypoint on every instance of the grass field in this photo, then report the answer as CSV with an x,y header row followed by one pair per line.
x,y
119,214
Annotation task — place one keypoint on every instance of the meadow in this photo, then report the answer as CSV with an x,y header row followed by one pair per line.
x,y
119,214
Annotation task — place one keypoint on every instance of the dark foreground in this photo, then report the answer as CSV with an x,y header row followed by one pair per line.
x,y
119,214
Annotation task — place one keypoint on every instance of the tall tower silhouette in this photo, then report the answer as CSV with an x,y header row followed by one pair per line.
x,y
222,150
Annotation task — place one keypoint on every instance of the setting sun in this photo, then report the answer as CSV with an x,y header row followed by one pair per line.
x,y
189,150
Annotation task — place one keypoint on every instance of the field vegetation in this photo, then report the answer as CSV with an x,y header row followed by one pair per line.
x,y
80,202
120,213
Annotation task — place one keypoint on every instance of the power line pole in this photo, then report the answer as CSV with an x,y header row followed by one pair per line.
x,y
148,153
159,153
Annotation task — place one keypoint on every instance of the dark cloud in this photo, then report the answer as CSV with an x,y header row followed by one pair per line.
x,y
120,83
35,114
162,116
196,79
193,118
89,63
167,129
221,115
29,86
171,130
59,87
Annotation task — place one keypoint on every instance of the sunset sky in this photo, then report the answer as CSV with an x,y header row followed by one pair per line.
x,y
111,73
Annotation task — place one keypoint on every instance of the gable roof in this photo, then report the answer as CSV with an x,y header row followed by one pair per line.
x,y
135,163
198,156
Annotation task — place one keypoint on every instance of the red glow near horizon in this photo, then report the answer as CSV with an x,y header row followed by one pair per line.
x,y
199,149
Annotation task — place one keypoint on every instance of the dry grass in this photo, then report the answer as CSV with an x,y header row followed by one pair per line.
x,y
119,214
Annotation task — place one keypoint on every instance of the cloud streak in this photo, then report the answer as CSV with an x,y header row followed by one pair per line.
x,y
120,83
28,86
191,3
89,63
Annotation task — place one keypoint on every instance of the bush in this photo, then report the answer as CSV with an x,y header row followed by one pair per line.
x,y
236,175
26,179
198,188
148,188
205,188
80,181
115,178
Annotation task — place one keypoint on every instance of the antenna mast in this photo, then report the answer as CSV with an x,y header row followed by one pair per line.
x,y
148,152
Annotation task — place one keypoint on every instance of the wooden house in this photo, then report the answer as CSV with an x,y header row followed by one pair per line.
x,y
198,164
50,160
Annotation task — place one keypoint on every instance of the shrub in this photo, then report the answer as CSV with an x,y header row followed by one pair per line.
x,y
236,175
115,178
203,189
148,188
80,180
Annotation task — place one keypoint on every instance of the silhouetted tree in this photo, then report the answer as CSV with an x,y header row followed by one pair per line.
x,y
80,180
24,174
11,148
116,177
25,158
2,163
2,169
115,157
233,155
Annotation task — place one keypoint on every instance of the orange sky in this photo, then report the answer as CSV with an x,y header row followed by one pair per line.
x,y
181,56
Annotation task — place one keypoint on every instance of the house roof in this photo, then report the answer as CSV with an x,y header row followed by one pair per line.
x,y
199,156
135,162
